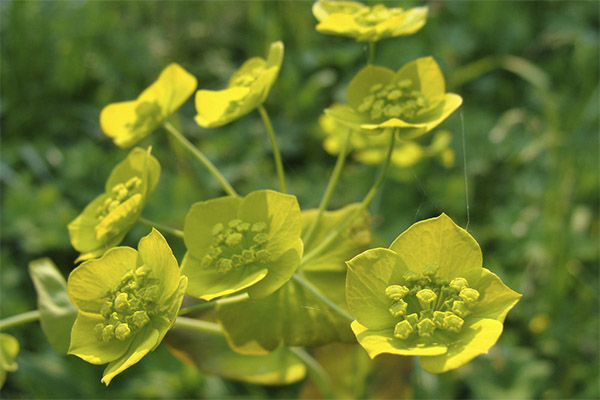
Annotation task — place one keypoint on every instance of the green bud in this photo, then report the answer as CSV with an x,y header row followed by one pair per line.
x,y
426,327
108,333
426,298
410,277
403,329
259,227
218,228
438,318
234,223
224,265
98,329
412,319
453,323
249,256
106,309
405,83
460,308
150,293
396,292
469,295
398,308
140,318
141,271
234,239
121,303
243,227
237,260
430,270
260,238
459,283
263,256
122,331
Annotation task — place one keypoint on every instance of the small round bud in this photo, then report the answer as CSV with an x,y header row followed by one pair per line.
x,y
412,319
121,303
375,88
396,292
260,238
122,331
249,256
108,333
398,308
107,309
426,327
113,204
405,83
234,239
459,283
403,329
141,271
259,227
460,308
263,256
237,260
224,265
453,323
218,228
469,295
98,329
234,223
410,277
430,270
150,293
438,318
243,227
140,318
426,298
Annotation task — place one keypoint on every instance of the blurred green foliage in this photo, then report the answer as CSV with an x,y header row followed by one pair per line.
x,y
528,74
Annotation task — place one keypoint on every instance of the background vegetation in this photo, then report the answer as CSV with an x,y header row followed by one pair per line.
x,y
528,73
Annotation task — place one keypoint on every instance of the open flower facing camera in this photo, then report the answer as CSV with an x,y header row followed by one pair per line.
x,y
128,122
107,219
427,295
248,88
126,301
412,100
367,24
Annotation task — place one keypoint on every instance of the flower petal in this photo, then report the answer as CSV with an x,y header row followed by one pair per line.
x,y
427,77
495,298
360,86
212,106
432,118
172,88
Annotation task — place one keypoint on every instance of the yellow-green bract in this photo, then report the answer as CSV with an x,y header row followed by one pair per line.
x,y
367,24
412,101
9,348
126,301
234,244
427,295
108,218
248,88
128,122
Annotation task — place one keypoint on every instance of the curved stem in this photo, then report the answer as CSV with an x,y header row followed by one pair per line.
x,y
161,227
19,319
333,180
276,154
202,158
363,206
371,53
198,325
211,304
316,371
317,293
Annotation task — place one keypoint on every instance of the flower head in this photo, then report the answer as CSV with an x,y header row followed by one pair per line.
x,y
248,88
108,218
367,24
412,100
126,301
427,295
128,122
234,244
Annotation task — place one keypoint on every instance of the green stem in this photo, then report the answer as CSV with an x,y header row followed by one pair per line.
x,y
202,158
371,53
161,227
198,325
317,293
211,304
363,206
19,319
276,154
316,372
333,180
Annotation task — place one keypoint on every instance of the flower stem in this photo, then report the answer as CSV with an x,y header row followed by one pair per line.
x,y
371,53
317,293
363,206
333,180
161,227
316,372
19,319
202,158
211,304
276,154
198,325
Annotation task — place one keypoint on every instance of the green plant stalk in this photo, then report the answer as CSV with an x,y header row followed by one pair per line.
x,y
161,227
371,58
333,180
198,325
363,206
276,154
202,158
317,293
211,304
19,319
316,372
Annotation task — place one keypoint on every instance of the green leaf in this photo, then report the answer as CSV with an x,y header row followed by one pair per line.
x,y
211,354
57,314
9,348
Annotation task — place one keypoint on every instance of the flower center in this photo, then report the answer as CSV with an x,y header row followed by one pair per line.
x,y
371,16
426,303
128,306
237,244
119,194
395,100
249,77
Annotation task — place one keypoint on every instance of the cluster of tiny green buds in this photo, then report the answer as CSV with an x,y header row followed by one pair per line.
x,y
128,306
249,77
371,16
426,303
120,193
394,100
237,244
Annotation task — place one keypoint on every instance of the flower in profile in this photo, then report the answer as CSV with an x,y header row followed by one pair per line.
x,y
412,100
126,301
128,122
235,244
427,295
367,24
108,218
247,89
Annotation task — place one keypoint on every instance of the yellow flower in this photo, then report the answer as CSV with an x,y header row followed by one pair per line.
x,y
128,122
248,88
367,24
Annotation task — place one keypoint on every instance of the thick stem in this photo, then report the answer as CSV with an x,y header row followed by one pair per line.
x,y
197,325
276,153
202,158
211,304
19,319
363,206
317,293
316,372
333,180
161,227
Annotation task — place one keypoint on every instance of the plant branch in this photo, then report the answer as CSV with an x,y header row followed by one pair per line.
x,y
317,293
161,227
198,325
19,319
213,303
276,153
